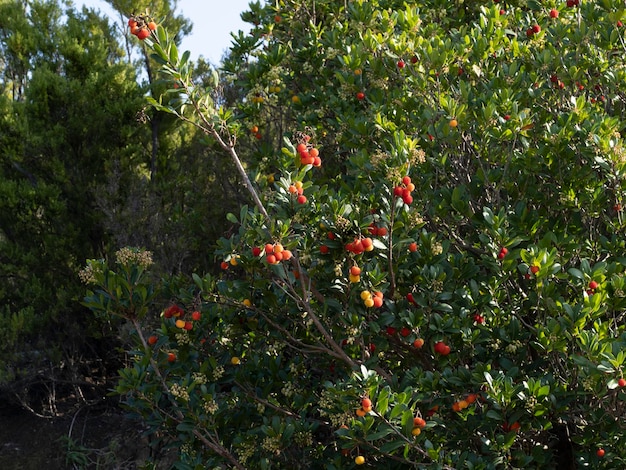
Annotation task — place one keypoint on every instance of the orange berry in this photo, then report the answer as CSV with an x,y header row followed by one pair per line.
x,y
152,340
416,431
355,270
152,26
419,422
171,357
377,302
360,412
366,403
453,123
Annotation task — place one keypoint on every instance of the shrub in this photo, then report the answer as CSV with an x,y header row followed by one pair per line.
x,y
472,169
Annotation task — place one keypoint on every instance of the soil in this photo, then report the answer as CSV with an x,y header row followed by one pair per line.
x,y
97,436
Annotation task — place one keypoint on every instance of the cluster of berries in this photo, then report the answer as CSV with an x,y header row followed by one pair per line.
x,y
503,252
418,424
404,190
359,245
309,155
534,29
140,27
442,348
372,300
355,274
297,189
274,253
462,404
366,407
174,311
376,231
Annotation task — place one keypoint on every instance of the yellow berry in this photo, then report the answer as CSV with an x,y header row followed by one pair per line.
x,y
359,460
180,323
235,360
354,278
368,302
247,303
366,295
416,431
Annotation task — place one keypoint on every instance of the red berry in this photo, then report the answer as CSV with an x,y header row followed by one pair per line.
x,y
507,117
366,403
536,28
301,199
440,347
407,199
413,247
410,298
593,285
188,326
196,316
554,13
405,331
360,96
224,265
171,357
418,343
355,271
621,382
391,330
271,259
414,59
269,248
400,64
501,255
419,422
600,453
378,302
152,340
534,269
504,250
406,180
143,33
324,249
256,251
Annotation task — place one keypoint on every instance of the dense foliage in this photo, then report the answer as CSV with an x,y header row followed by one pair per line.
x,y
442,287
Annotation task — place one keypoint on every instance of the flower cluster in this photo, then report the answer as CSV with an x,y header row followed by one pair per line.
x,y
128,255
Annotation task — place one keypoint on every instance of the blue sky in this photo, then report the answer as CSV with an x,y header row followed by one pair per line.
x,y
213,21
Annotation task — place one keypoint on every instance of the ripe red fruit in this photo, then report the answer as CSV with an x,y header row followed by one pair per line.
x,y
378,301
419,422
132,22
355,271
501,255
414,59
619,24
407,199
314,152
534,269
406,180
413,247
400,64
301,199
188,326
397,191
301,148
554,13
143,33
171,357
360,96
410,298
196,316
287,254
271,259
152,340
621,382
324,249
391,330
405,331
554,78
600,452
366,404
439,346
256,251
418,343
152,26
536,28
507,117
269,249
593,285
224,265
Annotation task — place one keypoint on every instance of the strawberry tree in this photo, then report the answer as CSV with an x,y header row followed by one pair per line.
x,y
430,271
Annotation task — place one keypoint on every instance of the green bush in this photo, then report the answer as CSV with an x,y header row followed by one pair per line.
x,y
472,170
